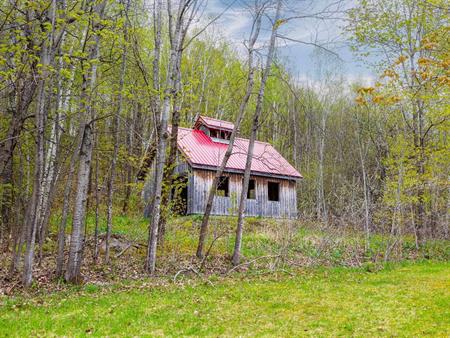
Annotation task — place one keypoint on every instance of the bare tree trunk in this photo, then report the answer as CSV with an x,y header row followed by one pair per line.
x,y
157,28
64,108
366,194
156,102
175,119
35,206
19,234
97,205
255,126
52,163
64,215
175,54
447,214
38,208
243,106
296,146
135,126
397,217
23,92
115,132
173,149
321,204
78,223
85,156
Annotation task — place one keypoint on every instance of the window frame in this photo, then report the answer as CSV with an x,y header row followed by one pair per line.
x,y
248,190
223,180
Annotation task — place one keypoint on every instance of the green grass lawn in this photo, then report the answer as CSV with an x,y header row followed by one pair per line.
x,y
405,300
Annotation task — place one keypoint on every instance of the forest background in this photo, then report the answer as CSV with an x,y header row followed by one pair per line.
x,y
89,87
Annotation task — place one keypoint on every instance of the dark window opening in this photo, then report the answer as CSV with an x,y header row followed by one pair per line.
x,y
273,191
223,186
251,192
213,133
219,134
225,135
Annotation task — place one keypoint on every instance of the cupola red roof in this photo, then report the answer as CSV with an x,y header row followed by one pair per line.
x,y
213,123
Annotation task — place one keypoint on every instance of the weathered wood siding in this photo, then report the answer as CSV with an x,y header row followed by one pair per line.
x,y
200,182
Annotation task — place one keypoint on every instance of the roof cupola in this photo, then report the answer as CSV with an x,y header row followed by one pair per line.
x,y
218,130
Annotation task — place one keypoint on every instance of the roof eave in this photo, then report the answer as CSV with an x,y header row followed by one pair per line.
x,y
254,173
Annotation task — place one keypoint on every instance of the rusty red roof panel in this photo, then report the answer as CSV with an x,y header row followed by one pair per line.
x,y
215,123
201,150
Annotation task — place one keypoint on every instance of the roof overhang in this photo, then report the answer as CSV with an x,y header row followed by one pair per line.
x,y
253,173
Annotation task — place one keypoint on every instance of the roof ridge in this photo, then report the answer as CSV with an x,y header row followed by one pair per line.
x,y
263,142
237,138
213,118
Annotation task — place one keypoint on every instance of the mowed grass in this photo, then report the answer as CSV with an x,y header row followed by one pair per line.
x,y
404,300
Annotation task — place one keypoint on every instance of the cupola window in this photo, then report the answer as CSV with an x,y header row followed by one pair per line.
x,y
219,131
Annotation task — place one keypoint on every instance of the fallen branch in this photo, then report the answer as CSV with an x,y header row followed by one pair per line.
x,y
123,251
192,269
9,291
250,262
220,235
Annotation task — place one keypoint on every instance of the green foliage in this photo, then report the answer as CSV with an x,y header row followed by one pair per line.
x,y
413,81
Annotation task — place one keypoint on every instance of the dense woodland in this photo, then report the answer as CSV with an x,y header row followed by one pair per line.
x,y
88,88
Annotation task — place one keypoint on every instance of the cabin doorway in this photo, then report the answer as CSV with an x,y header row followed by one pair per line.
x,y
180,195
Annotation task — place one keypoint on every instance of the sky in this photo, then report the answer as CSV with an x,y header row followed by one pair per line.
x,y
300,59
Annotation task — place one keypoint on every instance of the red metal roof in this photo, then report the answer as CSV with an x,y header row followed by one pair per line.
x,y
202,151
215,123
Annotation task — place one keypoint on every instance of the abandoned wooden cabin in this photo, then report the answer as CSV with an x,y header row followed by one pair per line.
x,y
272,187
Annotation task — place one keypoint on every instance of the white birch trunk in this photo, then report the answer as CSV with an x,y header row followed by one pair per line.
x,y
243,106
115,132
85,157
162,143
255,126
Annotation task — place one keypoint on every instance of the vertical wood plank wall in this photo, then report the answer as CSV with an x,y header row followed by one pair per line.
x,y
200,182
